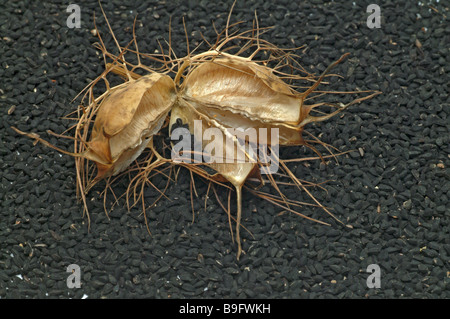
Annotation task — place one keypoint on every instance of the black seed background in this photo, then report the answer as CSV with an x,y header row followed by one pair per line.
x,y
393,190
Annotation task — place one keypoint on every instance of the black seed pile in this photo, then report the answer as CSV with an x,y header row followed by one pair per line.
x,y
393,188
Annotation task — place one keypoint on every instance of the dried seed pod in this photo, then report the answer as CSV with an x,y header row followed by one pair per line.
x,y
229,169
116,127
222,90
239,93
126,120
234,92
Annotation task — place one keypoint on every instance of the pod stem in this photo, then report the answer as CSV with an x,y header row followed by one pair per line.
x,y
238,218
39,139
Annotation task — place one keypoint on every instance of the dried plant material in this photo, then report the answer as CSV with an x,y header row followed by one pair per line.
x,y
116,127
231,91
240,82
126,121
228,169
235,92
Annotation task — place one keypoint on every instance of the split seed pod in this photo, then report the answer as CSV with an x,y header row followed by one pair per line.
x,y
227,91
126,119
228,170
220,89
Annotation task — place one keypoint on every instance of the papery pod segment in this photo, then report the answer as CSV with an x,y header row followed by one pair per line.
x,y
126,119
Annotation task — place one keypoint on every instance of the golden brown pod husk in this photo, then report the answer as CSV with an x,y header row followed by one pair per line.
x,y
228,169
127,119
239,93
